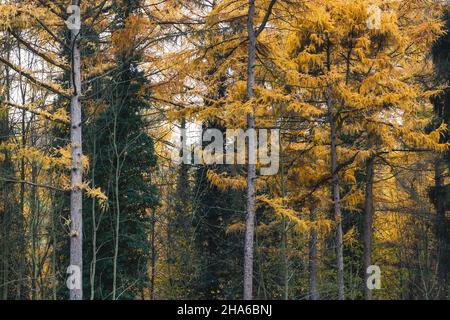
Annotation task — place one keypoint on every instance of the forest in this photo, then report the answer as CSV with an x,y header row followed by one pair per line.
x,y
224,150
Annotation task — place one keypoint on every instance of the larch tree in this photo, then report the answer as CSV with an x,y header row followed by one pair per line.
x,y
353,79
36,28
251,167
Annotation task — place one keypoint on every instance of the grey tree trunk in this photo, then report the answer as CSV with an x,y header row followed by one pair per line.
x,y
313,294
368,224
251,168
76,195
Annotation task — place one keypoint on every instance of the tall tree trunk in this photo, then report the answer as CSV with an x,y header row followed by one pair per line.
x,y
6,170
117,207
34,212
169,243
76,194
336,205
368,224
6,227
182,219
285,222
54,249
251,169
153,274
336,197
94,227
441,228
313,295
285,254
21,217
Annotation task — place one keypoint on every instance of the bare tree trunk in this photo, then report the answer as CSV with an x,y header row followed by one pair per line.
x,y
368,224
21,218
22,262
6,169
313,295
34,231
153,275
54,244
6,229
21,227
251,171
117,205
284,240
169,243
94,228
441,228
76,194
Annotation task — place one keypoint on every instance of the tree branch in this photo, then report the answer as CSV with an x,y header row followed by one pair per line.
x,y
266,18
33,79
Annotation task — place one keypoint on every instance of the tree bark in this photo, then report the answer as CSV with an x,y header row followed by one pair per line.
x,y
284,250
6,169
21,218
34,212
6,222
76,195
368,224
117,207
284,222
94,227
441,228
336,197
251,168
336,205
313,294
153,274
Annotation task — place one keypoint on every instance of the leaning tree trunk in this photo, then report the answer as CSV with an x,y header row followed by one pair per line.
x,y
76,196
368,224
251,171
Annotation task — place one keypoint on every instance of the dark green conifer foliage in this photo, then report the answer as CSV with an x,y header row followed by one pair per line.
x,y
124,155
